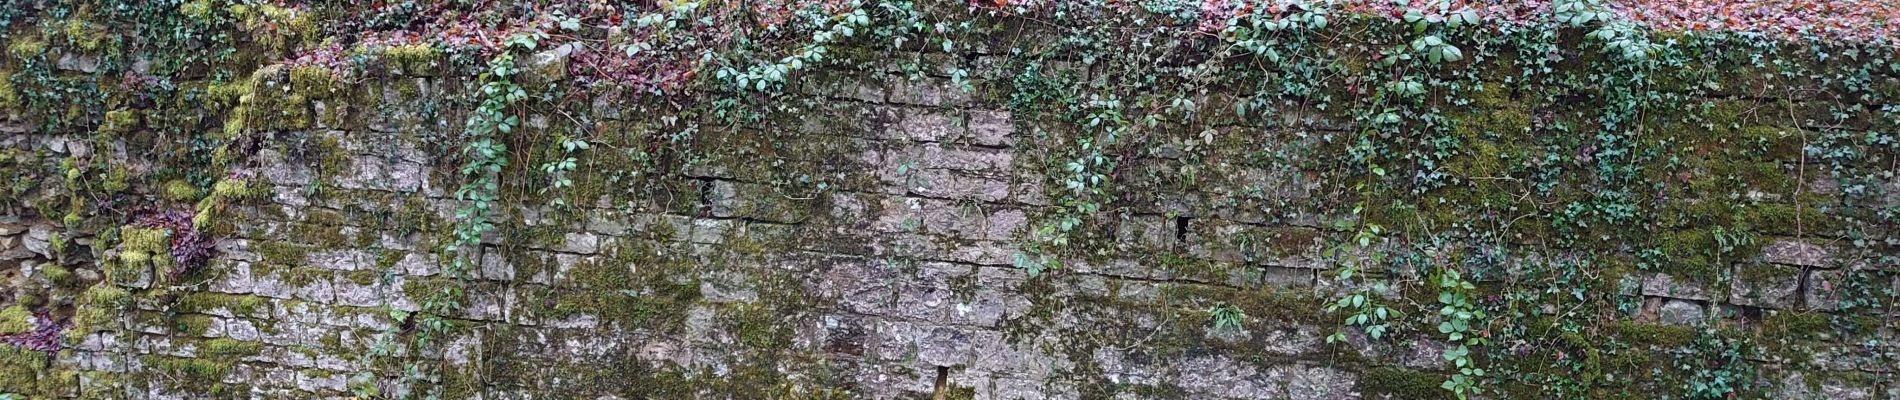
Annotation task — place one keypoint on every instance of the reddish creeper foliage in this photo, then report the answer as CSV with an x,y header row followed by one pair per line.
x,y
43,337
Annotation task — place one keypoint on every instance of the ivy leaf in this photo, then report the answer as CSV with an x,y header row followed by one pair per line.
x,y
1451,53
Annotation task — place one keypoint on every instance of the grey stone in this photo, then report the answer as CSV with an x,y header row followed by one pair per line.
x,y
271,283
39,240
494,267
726,287
350,293
951,184
317,289
1318,383
1824,289
78,62
927,92
551,64
416,265
1291,341
341,260
580,242
1665,285
1221,377
242,329
1796,252
710,231
313,381
992,128
1766,286
990,162
1287,278
925,126
233,277
944,347
1120,369
1681,312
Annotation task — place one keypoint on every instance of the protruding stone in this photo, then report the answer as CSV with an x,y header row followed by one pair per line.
x,y
551,64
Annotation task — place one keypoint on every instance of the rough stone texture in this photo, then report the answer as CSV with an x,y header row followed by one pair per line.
x,y
732,283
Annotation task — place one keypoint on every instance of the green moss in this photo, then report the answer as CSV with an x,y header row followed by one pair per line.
x,y
83,34
9,97
364,278
140,250
181,191
1496,112
198,302
322,236
228,94
31,373
116,180
1789,220
1795,325
1659,335
282,253
199,10
91,319
277,28
230,348
331,155
413,59
59,276
315,82
1402,384
233,189
26,47
757,326
196,370
107,296
118,123
267,106
15,319
1765,176
1770,142
192,325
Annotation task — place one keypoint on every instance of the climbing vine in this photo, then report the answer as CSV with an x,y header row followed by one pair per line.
x,y
1526,184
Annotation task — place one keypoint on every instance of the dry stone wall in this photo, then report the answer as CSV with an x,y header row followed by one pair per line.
x,y
868,242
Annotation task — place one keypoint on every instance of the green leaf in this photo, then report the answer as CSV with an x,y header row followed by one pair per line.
x,y
1452,54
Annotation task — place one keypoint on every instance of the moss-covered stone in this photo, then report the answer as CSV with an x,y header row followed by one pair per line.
x,y
1401,383
31,373
1665,336
15,319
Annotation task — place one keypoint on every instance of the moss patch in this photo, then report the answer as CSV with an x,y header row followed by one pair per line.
x,y
15,319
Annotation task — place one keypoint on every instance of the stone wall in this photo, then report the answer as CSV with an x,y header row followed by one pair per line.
x,y
868,242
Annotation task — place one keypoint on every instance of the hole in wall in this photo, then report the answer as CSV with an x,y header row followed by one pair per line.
x,y
1180,229
943,383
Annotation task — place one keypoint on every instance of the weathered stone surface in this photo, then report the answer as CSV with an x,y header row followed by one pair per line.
x,y
1796,252
1681,312
1665,285
1767,286
874,240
